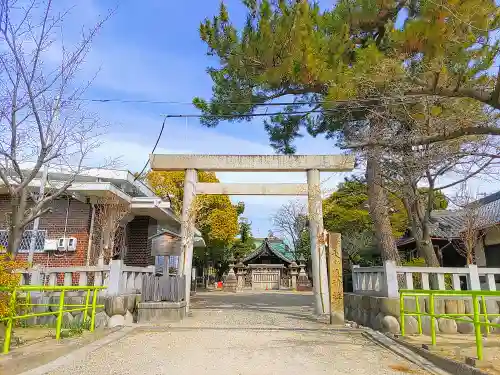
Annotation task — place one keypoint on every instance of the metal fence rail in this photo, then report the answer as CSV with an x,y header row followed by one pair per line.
x,y
478,297
15,314
163,288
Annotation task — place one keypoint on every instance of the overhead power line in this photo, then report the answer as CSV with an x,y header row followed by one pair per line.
x,y
402,99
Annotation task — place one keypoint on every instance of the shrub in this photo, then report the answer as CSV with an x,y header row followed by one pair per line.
x,y
8,279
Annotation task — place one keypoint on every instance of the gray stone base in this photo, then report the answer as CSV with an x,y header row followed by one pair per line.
x,y
166,311
383,314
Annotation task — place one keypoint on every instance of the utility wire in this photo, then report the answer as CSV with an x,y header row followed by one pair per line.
x,y
152,151
311,102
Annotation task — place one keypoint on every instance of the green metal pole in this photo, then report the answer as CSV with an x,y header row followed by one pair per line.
x,y
485,314
433,319
85,313
419,318
60,315
477,328
402,312
92,318
8,332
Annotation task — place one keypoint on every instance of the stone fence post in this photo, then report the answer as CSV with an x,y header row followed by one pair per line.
x,y
115,277
390,278
473,280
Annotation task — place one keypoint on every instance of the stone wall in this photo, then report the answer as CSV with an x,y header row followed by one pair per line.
x,y
383,314
117,310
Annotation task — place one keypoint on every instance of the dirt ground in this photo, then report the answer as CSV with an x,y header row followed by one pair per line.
x,y
38,347
458,347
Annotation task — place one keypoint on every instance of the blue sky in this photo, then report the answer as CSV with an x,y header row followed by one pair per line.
x,y
151,50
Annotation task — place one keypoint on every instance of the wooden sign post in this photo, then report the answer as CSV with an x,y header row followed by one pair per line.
x,y
335,278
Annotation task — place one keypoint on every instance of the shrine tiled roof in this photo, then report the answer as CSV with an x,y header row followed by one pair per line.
x,y
277,247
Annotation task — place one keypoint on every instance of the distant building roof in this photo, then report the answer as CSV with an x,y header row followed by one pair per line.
x,y
275,246
448,224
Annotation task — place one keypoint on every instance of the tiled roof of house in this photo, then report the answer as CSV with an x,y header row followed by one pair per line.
x,y
448,224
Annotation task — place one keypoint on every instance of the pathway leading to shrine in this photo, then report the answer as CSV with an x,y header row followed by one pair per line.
x,y
243,334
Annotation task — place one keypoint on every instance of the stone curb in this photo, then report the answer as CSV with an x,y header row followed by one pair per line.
x,y
80,353
447,365
405,353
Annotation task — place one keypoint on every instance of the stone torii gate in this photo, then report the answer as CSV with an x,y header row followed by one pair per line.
x,y
312,164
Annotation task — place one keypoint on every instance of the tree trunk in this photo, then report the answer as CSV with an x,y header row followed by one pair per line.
x,y
377,201
420,227
18,206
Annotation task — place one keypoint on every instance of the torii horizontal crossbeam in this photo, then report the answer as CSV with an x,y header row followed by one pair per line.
x,y
250,189
252,163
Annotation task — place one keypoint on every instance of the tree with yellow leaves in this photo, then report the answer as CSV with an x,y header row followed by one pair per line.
x,y
216,216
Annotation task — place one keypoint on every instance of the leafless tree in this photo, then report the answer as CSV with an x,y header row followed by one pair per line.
x,y
290,221
110,219
473,223
409,168
42,120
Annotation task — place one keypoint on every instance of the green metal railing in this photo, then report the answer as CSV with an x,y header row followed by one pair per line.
x,y
90,304
478,297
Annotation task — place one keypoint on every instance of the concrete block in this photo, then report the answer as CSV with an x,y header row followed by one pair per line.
x,y
365,302
439,306
390,324
130,302
448,326
161,311
375,305
115,305
376,321
356,301
390,306
454,306
491,306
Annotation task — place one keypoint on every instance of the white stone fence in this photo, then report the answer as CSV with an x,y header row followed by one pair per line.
x,y
117,277
385,281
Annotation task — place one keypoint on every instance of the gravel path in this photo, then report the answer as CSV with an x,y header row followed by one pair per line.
x,y
266,334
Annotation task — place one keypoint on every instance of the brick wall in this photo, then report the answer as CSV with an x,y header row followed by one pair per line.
x,y
138,247
77,225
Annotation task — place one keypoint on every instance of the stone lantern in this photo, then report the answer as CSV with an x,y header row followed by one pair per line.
x,y
302,280
294,272
231,282
241,271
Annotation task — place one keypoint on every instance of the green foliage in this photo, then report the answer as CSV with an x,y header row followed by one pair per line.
x,y
245,243
346,210
351,50
215,216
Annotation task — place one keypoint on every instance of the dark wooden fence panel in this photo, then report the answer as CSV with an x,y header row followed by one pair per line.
x,y
163,288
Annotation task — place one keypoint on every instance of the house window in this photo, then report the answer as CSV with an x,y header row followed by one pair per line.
x,y
28,237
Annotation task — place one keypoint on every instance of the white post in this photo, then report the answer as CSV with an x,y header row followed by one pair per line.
x,y
318,252
36,222
187,229
391,289
115,277
355,283
473,280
